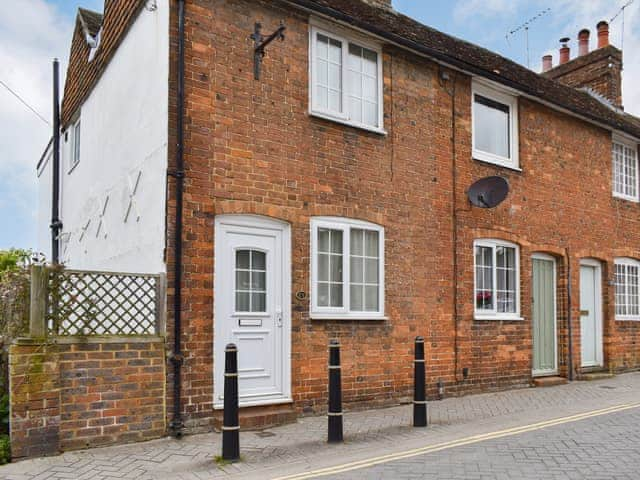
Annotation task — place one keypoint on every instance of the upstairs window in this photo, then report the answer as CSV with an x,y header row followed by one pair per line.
x,y
347,269
75,146
625,170
495,126
627,275
346,80
497,280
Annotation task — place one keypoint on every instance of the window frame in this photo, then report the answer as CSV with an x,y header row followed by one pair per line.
x,y
344,313
494,314
236,290
631,144
346,38
629,262
76,136
510,100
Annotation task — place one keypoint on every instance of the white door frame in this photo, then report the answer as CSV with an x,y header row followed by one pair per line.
x,y
266,223
549,258
597,265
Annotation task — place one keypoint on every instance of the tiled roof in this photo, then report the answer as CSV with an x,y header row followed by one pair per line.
x,y
82,74
409,33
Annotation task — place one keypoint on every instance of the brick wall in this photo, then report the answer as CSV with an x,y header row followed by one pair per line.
x,y
251,147
80,395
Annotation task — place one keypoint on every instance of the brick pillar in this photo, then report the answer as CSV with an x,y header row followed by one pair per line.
x,y
34,384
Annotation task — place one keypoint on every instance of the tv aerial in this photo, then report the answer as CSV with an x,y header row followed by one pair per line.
x,y
488,192
525,26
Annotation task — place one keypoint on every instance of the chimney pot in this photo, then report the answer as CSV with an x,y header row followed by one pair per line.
x,y
565,51
547,63
603,34
583,42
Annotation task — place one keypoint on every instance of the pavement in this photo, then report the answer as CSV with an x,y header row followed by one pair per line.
x,y
579,430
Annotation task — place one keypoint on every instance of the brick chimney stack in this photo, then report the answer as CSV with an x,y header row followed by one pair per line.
x,y
598,71
603,34
547,63
565,51
583,42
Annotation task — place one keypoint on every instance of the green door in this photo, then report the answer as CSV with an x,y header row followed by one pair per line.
x,y
544,316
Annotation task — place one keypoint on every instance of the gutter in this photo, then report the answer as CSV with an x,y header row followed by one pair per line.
x,y
446,60
176,425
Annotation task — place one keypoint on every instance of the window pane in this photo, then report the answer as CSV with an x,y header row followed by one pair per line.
x,y
259,260
491,126
371,270
506,278
357,270
357,241
336,295
336,241
335,272
242,259
258,302
335,101
484,278
357,298
323,239
633,290
242,280
323,294
371,298
328,77
362,85
371,245
242,302
259,281
323,267
620,278
335,51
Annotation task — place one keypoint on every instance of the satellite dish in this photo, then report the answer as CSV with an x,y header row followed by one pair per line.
x,y
488,192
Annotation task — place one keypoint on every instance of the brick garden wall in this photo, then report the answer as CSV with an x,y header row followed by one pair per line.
x,y
80,395
251,147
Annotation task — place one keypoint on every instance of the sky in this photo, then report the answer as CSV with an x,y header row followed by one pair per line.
x,y
33,32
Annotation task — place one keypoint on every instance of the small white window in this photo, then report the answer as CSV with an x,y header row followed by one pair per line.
x,y
625,170
347,269
627,273
497,280
495,126
346,80
75,146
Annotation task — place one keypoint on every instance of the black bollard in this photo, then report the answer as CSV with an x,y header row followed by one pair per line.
x,y
231,424
335,393
419,393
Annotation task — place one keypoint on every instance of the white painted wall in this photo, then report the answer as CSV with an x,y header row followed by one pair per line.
x,y
123,134
44,203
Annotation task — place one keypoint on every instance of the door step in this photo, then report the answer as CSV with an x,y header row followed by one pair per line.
x,y
549,381
260,418
591,376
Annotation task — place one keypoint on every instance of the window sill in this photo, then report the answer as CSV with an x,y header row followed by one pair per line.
x,y
494,318
619,196
480,157
329,316
627,319
360,126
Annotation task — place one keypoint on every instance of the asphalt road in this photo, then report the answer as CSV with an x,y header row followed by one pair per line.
x,y
602,447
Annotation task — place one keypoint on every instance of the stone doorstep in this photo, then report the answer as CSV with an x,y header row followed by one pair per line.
x,y
261,417
591,376
549,381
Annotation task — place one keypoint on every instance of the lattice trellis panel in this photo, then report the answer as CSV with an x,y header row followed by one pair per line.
x,y
98,303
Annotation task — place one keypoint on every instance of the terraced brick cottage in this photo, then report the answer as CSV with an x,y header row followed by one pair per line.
x,y
319,191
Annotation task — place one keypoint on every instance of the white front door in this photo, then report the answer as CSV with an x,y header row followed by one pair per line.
x,y
251,298
590,314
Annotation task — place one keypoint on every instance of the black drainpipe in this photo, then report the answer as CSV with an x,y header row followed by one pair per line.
x,y
56,224
176,424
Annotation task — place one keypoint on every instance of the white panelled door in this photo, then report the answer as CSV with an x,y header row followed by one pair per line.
x,y
590,314
251,298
